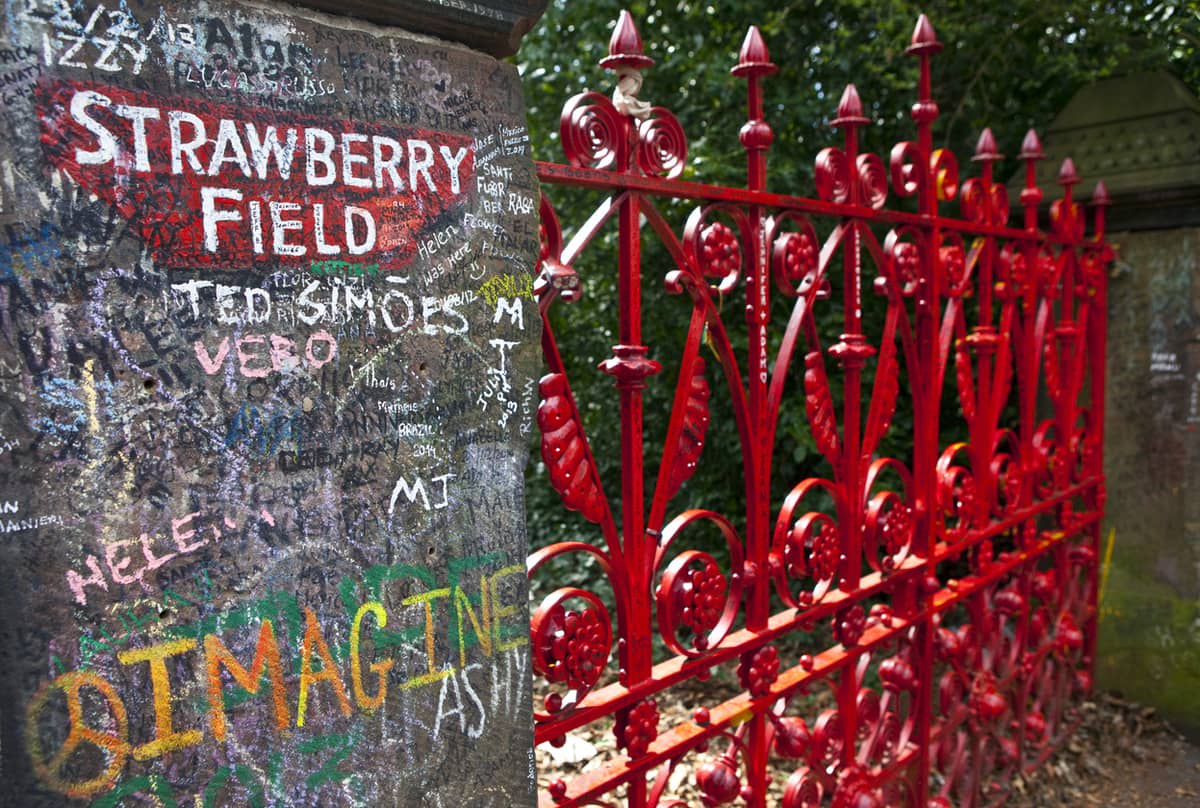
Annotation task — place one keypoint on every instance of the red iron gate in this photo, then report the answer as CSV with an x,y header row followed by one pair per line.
x,y
959,583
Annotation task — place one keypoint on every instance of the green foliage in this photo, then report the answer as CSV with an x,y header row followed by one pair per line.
x,y
1010,66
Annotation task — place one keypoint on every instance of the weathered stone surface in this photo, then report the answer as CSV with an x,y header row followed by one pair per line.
x,y
492,26
267,364
1150,612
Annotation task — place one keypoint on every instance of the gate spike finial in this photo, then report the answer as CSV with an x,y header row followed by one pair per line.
x,y
924,38
1031,147
1031,194
925,110
850,110
985,149
1067,175
753,58
625,46
754,62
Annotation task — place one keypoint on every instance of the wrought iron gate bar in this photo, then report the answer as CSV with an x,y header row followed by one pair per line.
x,y
958,584
671,672
557,174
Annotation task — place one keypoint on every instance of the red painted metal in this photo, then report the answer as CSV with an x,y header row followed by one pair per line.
x,y
958,584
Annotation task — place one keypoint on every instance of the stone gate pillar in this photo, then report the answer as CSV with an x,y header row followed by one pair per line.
x,y
1142,134
268,353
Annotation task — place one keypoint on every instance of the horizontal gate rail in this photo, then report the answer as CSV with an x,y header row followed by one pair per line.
x,y
947,597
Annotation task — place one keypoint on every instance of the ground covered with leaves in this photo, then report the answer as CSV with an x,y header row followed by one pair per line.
x,y
1122,754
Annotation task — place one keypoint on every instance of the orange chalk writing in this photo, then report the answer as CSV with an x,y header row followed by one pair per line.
x,y
266,658
113,743
380,668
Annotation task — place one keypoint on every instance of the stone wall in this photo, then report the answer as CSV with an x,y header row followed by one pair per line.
x,y
267,367
1150,609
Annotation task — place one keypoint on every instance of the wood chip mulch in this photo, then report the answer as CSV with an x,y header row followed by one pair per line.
x,y
1122,754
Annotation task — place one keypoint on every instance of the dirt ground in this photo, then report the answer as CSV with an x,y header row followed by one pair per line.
x,y
1122,754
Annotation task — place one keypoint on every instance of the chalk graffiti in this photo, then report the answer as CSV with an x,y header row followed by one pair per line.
x,y
264,433
108,41
259,355
266,307
416,489
28,252
477,622
188,534
506,286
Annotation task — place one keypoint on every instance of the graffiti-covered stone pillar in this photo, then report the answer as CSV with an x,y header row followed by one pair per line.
x,y
268,354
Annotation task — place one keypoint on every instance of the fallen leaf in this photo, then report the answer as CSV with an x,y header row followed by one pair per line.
x,y
575,750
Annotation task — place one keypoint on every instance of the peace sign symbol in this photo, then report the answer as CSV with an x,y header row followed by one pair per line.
x,y
112,743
